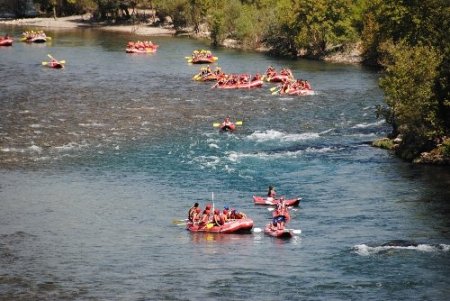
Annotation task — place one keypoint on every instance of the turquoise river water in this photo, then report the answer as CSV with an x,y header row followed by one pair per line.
x,y
98,159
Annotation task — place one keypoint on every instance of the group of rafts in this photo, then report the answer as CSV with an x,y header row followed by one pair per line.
x,y
35,37
226,221
39,36
27,36
288,85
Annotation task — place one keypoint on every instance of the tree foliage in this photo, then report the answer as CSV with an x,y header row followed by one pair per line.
x,y
410,39
409,84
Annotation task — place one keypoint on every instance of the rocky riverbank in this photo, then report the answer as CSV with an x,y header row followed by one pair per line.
x,y
439,155
85,21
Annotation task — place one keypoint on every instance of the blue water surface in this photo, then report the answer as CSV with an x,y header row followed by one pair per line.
x,y
99,159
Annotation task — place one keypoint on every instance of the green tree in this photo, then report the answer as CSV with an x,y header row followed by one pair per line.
x,y
248,27
281,32
409,84
217,26
322,24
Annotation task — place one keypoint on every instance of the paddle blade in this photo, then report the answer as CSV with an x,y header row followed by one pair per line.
x,y
257,230
179,221
239,122
44,63
275,93
216,124
273,89
215,58
62,62
270,209
297,231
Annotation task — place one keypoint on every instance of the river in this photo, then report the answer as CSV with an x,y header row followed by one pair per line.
x,y
98,159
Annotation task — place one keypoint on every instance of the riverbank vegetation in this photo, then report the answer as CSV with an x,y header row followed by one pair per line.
x,y
408,39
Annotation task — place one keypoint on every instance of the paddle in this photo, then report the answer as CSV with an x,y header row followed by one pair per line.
x,y
276,92
215,85
274,88
295,231
289,207
61,62
217,124
179,221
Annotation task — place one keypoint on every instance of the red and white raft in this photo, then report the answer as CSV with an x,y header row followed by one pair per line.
x,y
259,200
231,226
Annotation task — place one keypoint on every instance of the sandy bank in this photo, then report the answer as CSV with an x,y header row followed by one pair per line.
x,y
84,22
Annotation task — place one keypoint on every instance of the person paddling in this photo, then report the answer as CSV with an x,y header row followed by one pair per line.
x,y
218,218
271,193
192,211
227,125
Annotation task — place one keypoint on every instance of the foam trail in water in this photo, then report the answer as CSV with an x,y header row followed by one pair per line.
x,y
367,125
276,135
236,156
365,250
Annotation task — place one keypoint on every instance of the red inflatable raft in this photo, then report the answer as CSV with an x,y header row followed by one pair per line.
x,y
253,84
54,64
259,200
6,42
301,92
284,233
232,226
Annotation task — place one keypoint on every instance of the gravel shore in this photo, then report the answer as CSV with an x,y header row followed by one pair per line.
x,y
85,21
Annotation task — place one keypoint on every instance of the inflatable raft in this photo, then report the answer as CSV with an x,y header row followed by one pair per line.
x,y
253,84
6,42
232,226
284,233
